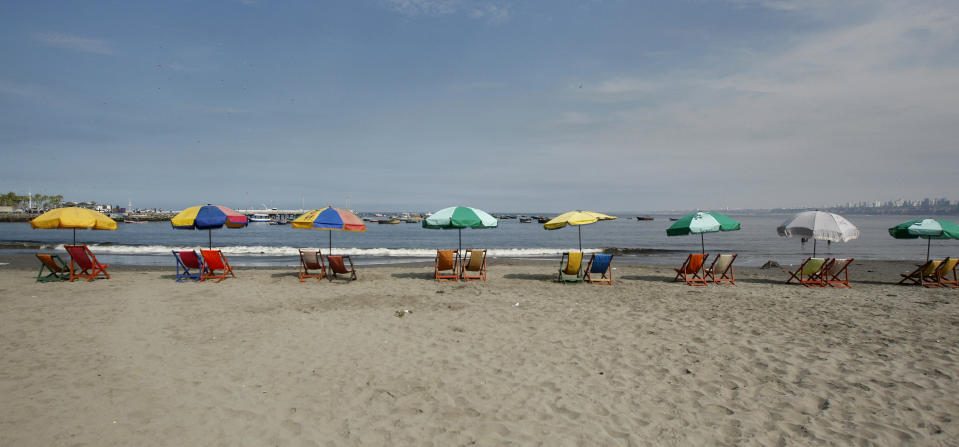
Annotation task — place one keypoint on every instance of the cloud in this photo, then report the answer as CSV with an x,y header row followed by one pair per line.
x,y
490,12
75,43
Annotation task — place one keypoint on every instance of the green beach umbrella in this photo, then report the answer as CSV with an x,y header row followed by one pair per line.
x,y
459,217
702,222
926,228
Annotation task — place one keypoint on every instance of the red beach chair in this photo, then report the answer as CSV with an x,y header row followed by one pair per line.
x,y
836,268
338,267
446,261
474,267
190,263
311,260
723,267
693,270
214,260
813,269
87,264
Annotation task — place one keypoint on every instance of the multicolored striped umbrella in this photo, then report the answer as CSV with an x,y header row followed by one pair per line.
x,y
459,217
702,222
577,218
330,219
926,228
207,217
72,218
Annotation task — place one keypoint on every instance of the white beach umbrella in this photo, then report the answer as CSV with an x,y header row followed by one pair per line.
x,y
819,225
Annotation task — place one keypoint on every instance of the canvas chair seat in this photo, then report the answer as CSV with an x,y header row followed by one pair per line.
x,y
214,261
811,273
311,265
722,270
474,267
446,266
693,270
87,265
189,265
338,267
942,273
599,269
58,270
838,272
924,275
571,267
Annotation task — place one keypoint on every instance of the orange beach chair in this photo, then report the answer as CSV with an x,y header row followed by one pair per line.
x,y
474,267
813,269
836,268
338,267
721,270
53,264
311,261
213,261
87,265
446,266
693,270
924,275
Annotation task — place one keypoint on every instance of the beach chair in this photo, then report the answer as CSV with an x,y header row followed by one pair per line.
x,y
599,264
311,262
571,267
474,266
811,273
838,267
693,270
214,261
721,270
190,263
338,267
87,265
924,275
56,267
446,266
942,273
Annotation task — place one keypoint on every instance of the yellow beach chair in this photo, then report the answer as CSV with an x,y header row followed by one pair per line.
x,y
571,267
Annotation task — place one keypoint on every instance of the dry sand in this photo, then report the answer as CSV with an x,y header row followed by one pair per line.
x,y
265,360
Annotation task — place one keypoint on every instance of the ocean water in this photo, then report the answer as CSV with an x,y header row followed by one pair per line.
x,y
633,241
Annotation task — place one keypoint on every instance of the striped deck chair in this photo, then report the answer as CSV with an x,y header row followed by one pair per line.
x,y
811,273
599,264
925,275
338,267
721,270
446,266
87,265
836,268
693,270
474,267
942,273
56,267
571,267
190,263
311,262
214,261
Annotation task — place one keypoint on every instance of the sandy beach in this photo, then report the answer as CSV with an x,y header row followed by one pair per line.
x,y
263,359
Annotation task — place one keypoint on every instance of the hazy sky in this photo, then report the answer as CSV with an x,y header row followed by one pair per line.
x,y
502,105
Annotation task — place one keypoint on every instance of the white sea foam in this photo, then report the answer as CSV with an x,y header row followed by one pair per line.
x,y
260,250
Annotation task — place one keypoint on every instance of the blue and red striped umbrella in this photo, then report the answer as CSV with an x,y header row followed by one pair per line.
x,y
208,217
331,219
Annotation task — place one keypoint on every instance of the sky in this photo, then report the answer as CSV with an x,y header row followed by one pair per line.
x,y
504,105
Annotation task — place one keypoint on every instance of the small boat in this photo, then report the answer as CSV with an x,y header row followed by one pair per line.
x,y
132,221
260,218
644,218
388,221
673,219
542,219
279,222
525,220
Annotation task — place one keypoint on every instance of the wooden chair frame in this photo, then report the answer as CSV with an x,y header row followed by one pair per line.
x,y
606,276
564,276
438,274
727,275
57,268
467,266
197,270
832,274
214,260
692,276
336,261
87,265
306,265
814,279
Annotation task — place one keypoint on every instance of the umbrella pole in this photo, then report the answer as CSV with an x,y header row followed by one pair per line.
x,y
702,242
209,231
928,242
460,230
580,228
330,250
814,247
75,241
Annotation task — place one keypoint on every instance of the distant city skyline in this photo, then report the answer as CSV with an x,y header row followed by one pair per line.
x,y
497,104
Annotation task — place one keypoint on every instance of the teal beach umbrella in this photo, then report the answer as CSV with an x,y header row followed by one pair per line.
x,y
702,222
459,217
926,228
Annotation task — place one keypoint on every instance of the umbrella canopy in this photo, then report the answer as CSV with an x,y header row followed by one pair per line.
x,y
926,228
702,222
459,217
330,219
576,218
820,226
207,217
73,218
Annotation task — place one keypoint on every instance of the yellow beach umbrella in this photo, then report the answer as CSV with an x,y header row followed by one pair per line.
x,y
577,218
73,218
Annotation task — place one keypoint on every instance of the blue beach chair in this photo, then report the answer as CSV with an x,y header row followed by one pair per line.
x,y
599,265
190,263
